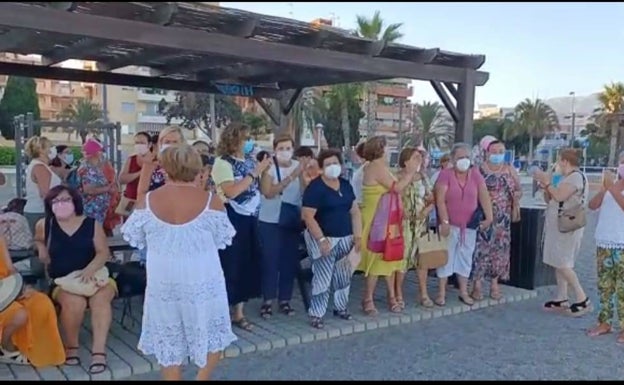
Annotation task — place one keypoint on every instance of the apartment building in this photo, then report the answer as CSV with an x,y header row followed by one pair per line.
x,y
386,109
487,111
56,95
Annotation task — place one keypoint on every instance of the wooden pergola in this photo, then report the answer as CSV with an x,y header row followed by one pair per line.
x,y
200,48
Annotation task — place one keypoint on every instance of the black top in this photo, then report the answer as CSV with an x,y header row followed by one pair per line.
x,y
69,253
333,208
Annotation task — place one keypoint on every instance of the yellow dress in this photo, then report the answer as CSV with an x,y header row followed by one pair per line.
x,y
39,340
373,263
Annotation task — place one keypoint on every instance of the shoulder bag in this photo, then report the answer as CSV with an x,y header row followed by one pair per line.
x,y
290,214
573,218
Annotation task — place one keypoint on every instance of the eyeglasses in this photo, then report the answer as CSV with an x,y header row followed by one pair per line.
x,y
62,200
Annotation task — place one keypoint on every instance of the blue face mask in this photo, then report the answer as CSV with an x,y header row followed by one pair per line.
x,y
497,158
248,147
556,179
69,158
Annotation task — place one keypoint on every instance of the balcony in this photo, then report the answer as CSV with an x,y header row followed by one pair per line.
x,y
393,90
146,96
146,117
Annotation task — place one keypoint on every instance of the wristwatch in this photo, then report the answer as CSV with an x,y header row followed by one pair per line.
x,y
445,222
252,176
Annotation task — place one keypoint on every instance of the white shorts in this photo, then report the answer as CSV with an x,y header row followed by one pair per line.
x,y
459,253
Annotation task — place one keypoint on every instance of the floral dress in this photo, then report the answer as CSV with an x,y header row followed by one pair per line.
x,y
414,224
494,244
95,205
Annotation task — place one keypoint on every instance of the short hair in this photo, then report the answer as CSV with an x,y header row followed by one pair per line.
x,y
171,130
35,146
445,158
56,162
182,163
207,160
144,134
56,191
328,153
359,149
406,154
283,138
304,151
231,138
571,155
459,146
374,148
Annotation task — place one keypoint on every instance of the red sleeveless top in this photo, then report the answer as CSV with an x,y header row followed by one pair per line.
x,y
132,187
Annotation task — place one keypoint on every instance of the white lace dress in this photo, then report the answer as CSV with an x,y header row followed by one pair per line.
x,y
186,312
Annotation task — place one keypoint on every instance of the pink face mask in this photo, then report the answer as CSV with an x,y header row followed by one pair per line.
x,y
63,210
621,171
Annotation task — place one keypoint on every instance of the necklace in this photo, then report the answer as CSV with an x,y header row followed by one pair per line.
x,y
189,184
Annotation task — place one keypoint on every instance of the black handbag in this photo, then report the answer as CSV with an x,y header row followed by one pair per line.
x,y
290,215
131,278
477,217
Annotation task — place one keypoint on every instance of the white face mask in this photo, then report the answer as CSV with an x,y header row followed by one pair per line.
x,y
463,164
284,155
332,171
141,148
52,153
163,147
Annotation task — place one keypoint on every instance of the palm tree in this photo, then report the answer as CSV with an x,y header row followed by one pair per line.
x,y
608,116
434,127
534,118
344,95
373,28
83,113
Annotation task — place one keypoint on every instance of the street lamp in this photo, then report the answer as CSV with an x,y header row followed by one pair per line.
x,y
319,133
573,118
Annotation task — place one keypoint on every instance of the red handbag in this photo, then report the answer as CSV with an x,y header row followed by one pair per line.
x,y
395,244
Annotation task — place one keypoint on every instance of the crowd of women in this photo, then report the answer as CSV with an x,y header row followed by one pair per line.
x,y
217,230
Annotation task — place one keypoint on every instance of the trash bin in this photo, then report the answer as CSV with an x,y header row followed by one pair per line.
x,y
527,271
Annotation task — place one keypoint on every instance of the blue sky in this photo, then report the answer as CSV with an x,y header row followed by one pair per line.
x,y
533,49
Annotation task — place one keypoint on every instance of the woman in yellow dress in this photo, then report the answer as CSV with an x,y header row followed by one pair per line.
x,y
377,181
28,327
417,200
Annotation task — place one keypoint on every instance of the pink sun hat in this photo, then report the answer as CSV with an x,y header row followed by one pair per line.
x,y
92,147
486,141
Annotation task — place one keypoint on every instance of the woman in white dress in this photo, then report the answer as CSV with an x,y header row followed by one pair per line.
x,y
186,308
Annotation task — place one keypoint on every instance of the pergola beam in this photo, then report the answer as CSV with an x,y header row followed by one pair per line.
x,y
162,15
202,42
57,73
451,88
465,107
288,100
448,103
268,110
15,38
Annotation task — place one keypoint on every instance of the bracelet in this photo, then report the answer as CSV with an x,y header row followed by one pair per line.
x,y
252,176
321,239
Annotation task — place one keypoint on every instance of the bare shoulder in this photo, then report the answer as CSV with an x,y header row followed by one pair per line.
x,y
40,227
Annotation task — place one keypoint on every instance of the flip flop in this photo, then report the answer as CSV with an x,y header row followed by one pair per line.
x,y
98,367
463,300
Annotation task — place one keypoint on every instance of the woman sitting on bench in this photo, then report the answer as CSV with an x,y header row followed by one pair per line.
x,y
68,241
28,327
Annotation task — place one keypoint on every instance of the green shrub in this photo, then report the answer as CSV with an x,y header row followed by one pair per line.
x,y
7,155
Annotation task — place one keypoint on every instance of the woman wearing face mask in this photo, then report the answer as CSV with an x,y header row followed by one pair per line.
x,y
280,244
236,175
68,241
39,177
334,227
94,186
610,251
62,163
377,181
131,170
491,260
459,192
562,249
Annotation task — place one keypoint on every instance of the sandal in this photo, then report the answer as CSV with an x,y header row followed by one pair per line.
x,y
98,367
556,305
343,314
286,309
476,295
400,302
496,294
243,324
393,305
580,308
13,358
317,322
440,301
466,299
71,359
368,307
266,311
599,330
426,302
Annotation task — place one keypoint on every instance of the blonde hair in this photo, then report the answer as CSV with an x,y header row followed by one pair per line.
x,y
170,130
182,163
36,146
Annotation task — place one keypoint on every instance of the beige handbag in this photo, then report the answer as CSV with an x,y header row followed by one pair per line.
x,y
432,250
572,218
125,206
72,283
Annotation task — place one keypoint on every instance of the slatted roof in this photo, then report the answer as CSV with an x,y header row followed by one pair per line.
x,y
210,49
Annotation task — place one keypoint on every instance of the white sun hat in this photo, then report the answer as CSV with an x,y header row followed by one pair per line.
x,y
10,289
